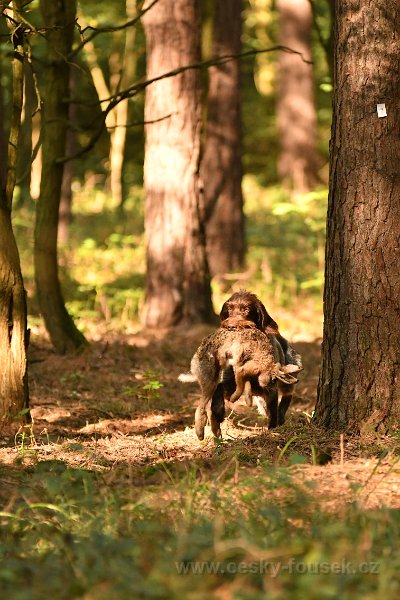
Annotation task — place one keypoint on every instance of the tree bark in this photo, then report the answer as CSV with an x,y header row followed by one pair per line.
x,y
14,394
221,166
177,283
298,161
59,17
359,381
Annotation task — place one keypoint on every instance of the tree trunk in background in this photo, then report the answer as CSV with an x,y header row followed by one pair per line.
x,y
25,145
298,161
177,283
118,136
62,330
36,166
359,383
221,166
3,142
65,211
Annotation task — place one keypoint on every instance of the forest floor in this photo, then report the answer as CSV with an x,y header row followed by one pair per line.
x,y
119,403
109,494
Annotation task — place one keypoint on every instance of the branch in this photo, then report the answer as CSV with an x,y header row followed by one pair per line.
x,y
137,123
108,29
136,88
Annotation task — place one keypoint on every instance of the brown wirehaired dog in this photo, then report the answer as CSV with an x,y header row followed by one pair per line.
x,y
257,362
237,312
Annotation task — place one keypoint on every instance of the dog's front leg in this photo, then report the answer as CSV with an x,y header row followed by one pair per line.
x,y
272,403
285,395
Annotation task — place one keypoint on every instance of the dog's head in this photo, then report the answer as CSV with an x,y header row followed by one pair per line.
x,y
246,306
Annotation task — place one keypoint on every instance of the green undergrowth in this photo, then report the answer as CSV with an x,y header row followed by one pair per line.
x,y
102,266
71,533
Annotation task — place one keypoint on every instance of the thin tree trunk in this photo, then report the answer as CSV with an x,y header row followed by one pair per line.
x,y
65,212
36,166
177,283
298,161
121,75
25,145
3,141
17,102
59,17
221,167
359,382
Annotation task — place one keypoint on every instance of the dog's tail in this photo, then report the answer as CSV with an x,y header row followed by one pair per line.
x,y
187,378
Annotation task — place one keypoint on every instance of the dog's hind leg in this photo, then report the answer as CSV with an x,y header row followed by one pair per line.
x,y
248,394
206,372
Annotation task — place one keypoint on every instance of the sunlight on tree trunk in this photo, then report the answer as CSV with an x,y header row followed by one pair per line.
x,y
359,383
25,145
59,17
221,167
122,74
177,283
298,161
36,167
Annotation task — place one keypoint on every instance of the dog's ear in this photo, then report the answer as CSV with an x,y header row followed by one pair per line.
x,y
224,314
265,322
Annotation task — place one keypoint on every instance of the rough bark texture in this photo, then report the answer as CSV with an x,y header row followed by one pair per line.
x,y
177,284
221,166
13,327
14,396
359,383
59,16
298,161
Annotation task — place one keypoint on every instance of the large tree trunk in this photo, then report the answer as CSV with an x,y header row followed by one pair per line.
x,y
359,382
59,17
14,398
221,167
298,161
177,284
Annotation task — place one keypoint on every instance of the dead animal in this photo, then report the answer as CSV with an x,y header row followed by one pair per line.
x,y
257,360
238,311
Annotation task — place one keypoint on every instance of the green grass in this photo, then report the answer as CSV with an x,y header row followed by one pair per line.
x,y
69,533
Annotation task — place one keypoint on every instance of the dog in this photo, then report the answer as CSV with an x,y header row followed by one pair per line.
x,y
256,359
244,307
